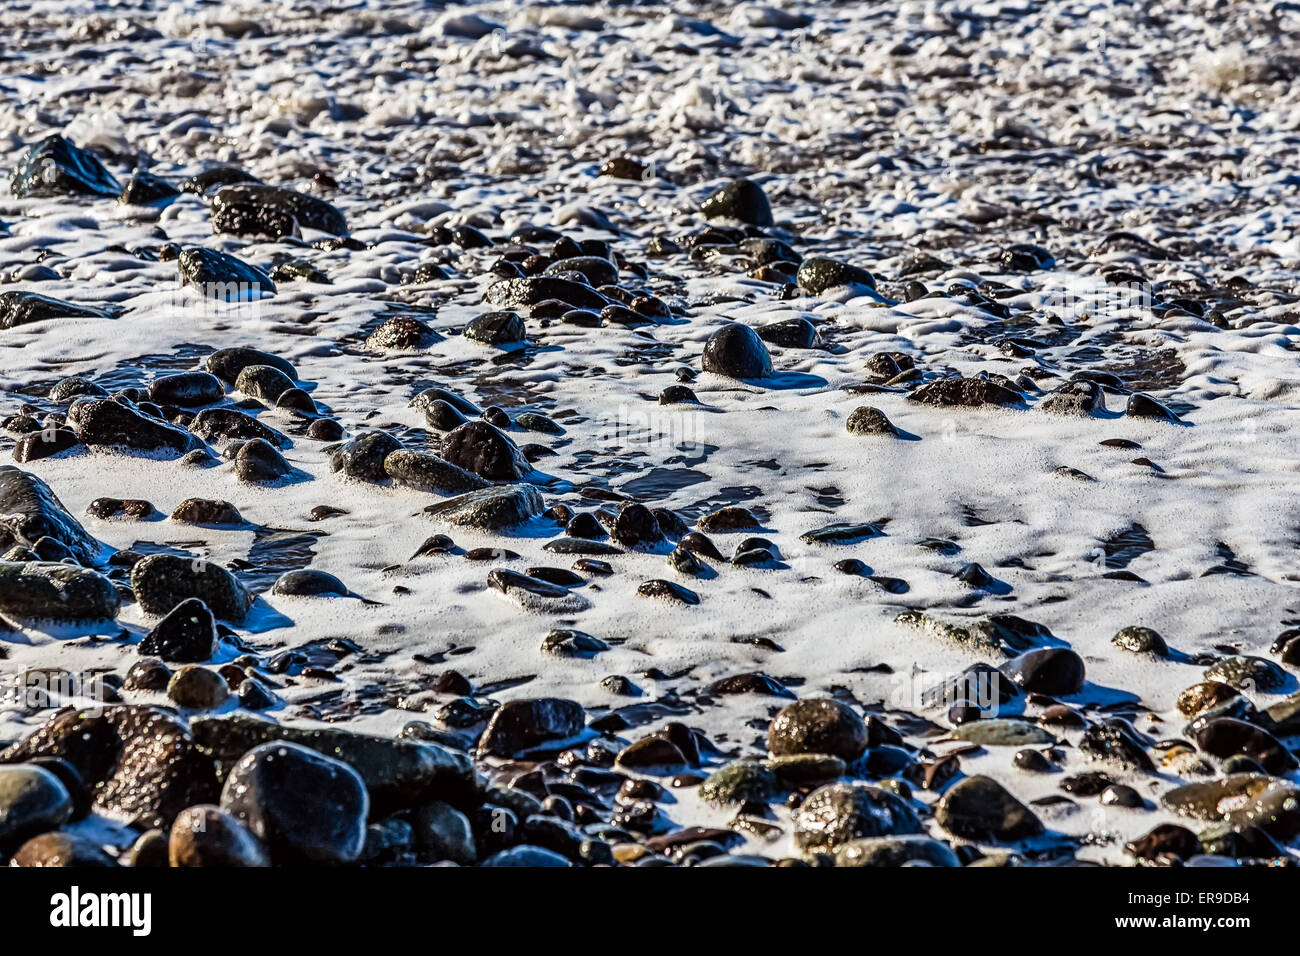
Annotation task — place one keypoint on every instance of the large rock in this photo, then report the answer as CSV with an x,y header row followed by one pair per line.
x,y
736,351
486,451
398,773
223,425
23,308
363,456
840,812
57,167
818,726
419,469
1055,671
304,806
741,199
48,591
29,511
32,800
186,635
207,836
222,277
227,363
258,210
117,423
520,725
517,293
162,581
981,809
139,763
490,509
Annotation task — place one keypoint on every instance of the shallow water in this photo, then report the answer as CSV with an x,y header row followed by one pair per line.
x,y
1060,124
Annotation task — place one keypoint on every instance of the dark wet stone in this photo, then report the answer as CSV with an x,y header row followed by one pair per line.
x,y
533,422
30,511
62,849
496,328
652,755
981,809
741,199
580,546
146,189
1141,640
867,420
23,308
701,544
736,351
741,782
818,274
668,590
187,634
1121,795
840,532
1079,398
57,167
1002,732
965,393
1032,760
402,333
490,508
220,276
730,518
227,363
486,451
1055,671
259,461
566,642
677,395
257,210
309,582
363,455
818,726
32,801
325,429
196,688
895,851
520,725
520,293
263,382
218,176
147,676
117,423
37,590
207,836
584,525
254,695
107,508
430,473
187,389
162,581
752,683
1116,742
398,773
296,400
840,812
140,763
303,806
1001,632
685,562
1248,673
1165,840
66,389
223,425
796,333
527,856
597,271
636,527
443,416
45,443
1226,736
207,511
298,270
1144,406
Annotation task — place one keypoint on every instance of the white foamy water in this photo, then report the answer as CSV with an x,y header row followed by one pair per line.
x,y
878,131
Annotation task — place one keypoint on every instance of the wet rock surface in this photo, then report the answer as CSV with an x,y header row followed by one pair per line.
x,y
722,476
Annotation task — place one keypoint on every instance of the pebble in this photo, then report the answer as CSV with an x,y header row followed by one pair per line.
x,y
207,836
32,801
837,813
309,582
866,420
197,688
520,725
491,509
742,200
